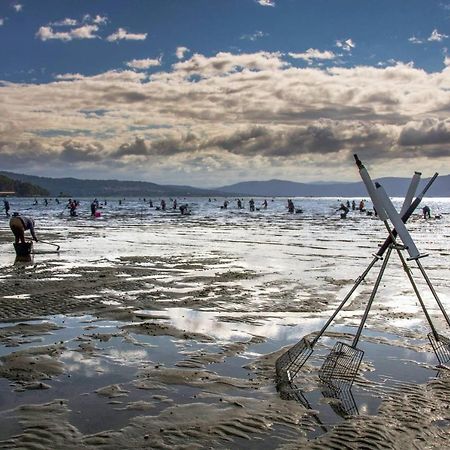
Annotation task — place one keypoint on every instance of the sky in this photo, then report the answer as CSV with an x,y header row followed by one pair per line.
x,y
213,92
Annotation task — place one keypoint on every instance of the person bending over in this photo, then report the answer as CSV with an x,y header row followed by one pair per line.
x,y
19,224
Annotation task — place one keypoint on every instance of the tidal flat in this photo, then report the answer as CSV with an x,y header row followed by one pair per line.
x,y
154,330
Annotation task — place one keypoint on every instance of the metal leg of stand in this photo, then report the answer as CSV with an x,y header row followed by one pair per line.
x,y
438,301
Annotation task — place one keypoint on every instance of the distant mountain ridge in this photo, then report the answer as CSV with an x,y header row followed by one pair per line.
x,y
74,187
395,187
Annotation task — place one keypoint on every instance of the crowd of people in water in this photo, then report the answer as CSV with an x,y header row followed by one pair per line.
x,y
73,205
20,223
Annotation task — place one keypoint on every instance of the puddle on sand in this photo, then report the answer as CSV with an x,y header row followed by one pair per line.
x,y
389,369
114,357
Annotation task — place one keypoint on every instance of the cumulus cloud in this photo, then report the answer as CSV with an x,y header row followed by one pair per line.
x,y
254,36
138,147
2,21
99,20
74,151
229,110
346,45
17,7
85,29
181,52
224,62
144,63
312,54
122,35
266,2
426,132
435,36
82,32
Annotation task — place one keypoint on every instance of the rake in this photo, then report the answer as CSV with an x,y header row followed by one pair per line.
x,y
380,200
440,343
342,363
289,363
54,245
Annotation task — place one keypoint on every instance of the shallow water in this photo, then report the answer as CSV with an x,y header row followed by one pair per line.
x,y
233,287
118,360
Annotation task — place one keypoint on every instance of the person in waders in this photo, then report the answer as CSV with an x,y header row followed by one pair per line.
x,y
426,212
344,210
6,206
19,224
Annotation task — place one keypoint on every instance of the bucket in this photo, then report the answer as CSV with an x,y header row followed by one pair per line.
x,y
23,249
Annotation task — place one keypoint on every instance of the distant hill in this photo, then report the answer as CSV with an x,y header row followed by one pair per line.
x,y
395,187
73,187
21,189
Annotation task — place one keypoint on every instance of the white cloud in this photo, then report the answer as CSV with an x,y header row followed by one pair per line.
x,y
88,28
47,33
225,63
266,2
69,76
252,111
83,32
99,20
435,36
346,45
143,63
312,54
2,21
181,51
18,7
67,22
447,61
255,36
415,40
122,34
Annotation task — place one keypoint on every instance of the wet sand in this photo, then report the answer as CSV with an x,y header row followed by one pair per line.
x,y
165,334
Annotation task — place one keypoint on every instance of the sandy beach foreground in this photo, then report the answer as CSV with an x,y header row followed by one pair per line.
x,y
163,333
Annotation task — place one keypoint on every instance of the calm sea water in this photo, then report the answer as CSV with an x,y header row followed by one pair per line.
x,y
131,210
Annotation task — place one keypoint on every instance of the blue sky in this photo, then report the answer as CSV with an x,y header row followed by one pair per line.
x,y
210,92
